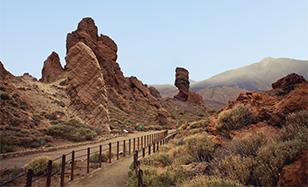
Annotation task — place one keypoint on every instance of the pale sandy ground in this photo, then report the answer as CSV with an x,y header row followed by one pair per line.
x,y
21,161
113,175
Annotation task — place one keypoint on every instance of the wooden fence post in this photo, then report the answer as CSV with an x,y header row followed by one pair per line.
x,y
138,139
129,146
49,172
100,155
110,153
88,160
134,145
29,178
141,142
118,147
143,152
144,141
140,178
124,148
72,165
62,171
149,151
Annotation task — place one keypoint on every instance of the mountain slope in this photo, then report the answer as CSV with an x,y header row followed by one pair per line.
x,y
257,76
219,89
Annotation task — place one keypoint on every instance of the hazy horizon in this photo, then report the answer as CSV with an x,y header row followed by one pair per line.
x,y
153,38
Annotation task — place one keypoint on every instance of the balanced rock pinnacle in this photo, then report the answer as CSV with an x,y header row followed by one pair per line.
x,y
182,83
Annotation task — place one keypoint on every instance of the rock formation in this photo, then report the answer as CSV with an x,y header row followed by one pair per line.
x,y
182,83
154,92
287,83
129,95
4,74
86,86
296,173
52,68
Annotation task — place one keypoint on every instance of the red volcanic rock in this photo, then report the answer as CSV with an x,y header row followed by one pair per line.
x,y
182,83
86,87
287,83
52,69
129,95
154,92
296,173
4,74
195,98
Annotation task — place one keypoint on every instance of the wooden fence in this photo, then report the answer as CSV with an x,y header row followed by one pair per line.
x,y
155,146
81,162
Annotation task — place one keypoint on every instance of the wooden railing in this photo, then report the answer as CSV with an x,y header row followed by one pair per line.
x,y
155,146
81,162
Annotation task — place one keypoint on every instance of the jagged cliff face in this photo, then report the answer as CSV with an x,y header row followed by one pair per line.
x,y
128,97
86,87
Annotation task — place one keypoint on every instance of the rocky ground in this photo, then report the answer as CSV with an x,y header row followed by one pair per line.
x,y
260,139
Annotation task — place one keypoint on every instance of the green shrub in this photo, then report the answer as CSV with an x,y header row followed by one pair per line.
x,y
200,147
205,181
272,157
94,158
39,165
72,130
235,118
234,167
245,147
299,118
140,127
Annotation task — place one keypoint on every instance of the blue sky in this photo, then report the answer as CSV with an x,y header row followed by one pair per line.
x,y
153,37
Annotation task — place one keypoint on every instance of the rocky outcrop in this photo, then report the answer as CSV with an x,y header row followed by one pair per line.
x,y
296,173
154,92
129,95
86,86
287,83
52,68
182,83
4,74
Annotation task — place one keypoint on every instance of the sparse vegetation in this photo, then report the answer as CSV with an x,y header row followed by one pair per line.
x,y
104,157
253,160
234,118
39,165
72,130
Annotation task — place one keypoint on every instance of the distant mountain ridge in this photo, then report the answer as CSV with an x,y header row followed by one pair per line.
x,y
219,89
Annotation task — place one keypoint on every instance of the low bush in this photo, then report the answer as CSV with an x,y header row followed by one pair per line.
x,y
72,130
272,157
234,118
299,118
39,165
234,167
200,147
205,181
94,158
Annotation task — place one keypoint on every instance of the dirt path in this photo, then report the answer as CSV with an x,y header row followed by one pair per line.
x,y
113,175
21,161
